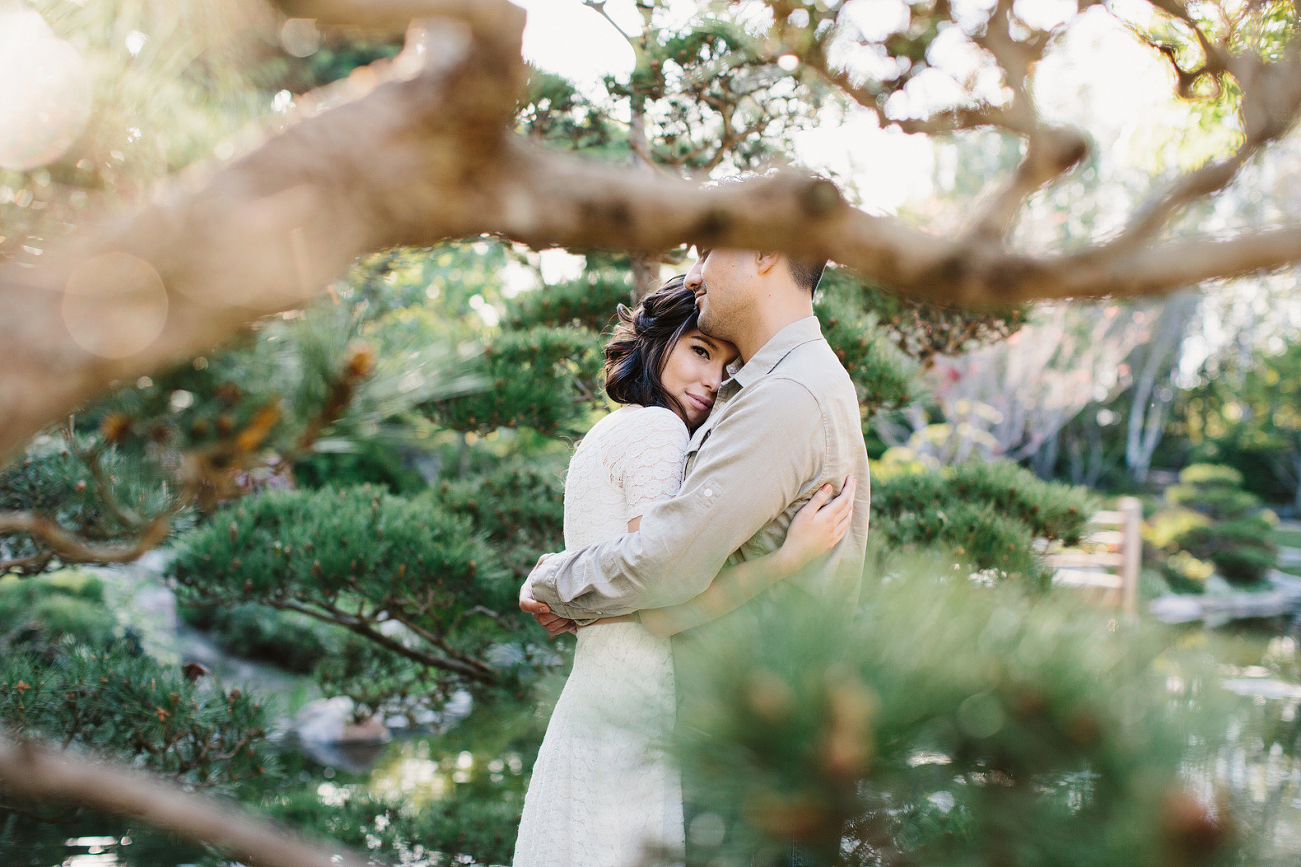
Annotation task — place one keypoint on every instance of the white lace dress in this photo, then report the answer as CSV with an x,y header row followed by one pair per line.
x,y
603,793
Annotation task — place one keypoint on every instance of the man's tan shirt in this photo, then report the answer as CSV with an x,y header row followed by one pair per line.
x,y
785,424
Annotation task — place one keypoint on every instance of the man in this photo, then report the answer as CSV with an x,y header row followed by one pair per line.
x,y
786,423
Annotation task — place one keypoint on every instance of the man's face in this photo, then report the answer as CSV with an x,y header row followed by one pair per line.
x,y
722,280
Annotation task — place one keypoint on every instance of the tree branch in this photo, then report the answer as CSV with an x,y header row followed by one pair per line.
x,y
36,773
484,16
431,157
126,517
474,669
72,548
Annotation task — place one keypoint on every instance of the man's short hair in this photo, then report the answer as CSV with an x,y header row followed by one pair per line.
x,y
807,272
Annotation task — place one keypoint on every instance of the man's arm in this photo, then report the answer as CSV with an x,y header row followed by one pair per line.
x,y
759,459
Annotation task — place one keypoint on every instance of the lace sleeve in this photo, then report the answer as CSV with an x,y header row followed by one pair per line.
x,y
648,454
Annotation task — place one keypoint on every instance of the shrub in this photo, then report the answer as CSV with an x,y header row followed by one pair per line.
x,y
67,605
986,513
408,574
1214,522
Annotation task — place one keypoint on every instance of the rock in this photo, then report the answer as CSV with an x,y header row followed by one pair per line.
x,y
329,721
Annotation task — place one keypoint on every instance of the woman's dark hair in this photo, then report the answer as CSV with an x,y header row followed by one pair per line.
x,y
642,341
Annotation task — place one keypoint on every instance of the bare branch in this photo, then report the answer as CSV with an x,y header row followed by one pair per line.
x,y
36,773
1049,154
33,565
599,6
473,669
74,549
483,15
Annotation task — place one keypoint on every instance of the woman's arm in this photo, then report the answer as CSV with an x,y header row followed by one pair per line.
x,y
815,530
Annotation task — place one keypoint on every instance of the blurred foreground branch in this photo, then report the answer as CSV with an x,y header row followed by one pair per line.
x,y
32,772
429,154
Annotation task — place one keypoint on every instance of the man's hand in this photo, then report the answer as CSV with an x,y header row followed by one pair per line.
x,y
540,611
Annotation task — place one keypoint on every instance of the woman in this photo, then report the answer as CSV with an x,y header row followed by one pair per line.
x,y
603,793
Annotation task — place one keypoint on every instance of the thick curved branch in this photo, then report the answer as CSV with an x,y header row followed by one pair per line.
x,y
1049,154
572,202
484,16
264,235
430,158
72,548
35,773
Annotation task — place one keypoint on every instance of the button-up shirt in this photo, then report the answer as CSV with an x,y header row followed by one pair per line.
x,y
783,425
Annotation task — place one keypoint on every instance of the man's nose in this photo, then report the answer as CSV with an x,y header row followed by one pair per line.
x,y
694,279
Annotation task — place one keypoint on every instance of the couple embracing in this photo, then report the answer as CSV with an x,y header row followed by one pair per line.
x,y
702,497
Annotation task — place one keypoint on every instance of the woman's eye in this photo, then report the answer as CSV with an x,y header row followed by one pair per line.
x,y
702,352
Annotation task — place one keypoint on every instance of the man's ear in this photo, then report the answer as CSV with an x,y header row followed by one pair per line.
x,y
764,262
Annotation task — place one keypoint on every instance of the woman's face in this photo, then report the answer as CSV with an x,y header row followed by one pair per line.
x,y
692,373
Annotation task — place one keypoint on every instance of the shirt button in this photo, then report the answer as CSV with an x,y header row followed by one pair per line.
x,y
709,492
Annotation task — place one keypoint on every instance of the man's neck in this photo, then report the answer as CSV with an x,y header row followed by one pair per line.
x,y
770,317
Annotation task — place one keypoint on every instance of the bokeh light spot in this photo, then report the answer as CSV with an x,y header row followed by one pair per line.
x,y
115,305
300,37
45,92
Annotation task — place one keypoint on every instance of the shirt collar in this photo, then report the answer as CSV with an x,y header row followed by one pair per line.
x,y
798,333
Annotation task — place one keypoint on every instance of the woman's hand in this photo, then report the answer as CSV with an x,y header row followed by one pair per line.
x,y
819,525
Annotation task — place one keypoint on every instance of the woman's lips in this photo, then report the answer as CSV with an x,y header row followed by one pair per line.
x,y
700,403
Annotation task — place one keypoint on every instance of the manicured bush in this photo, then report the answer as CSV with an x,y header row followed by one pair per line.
x,y
38,612
988,514
410,575
1214,522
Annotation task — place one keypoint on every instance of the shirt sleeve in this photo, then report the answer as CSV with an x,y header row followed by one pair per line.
x,y
755,463
649,465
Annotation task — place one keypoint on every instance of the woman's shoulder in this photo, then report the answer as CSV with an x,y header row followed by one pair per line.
x,y
642,423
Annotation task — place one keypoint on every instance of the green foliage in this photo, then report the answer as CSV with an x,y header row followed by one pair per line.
x,y
468,823
554,111
1207,475
1214,521
921,330
882,377
588,302
519,508
542,378
1251,419
370,461
408,574
293,641
68,675
950,725
125,705
986,513
54,478
37,613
